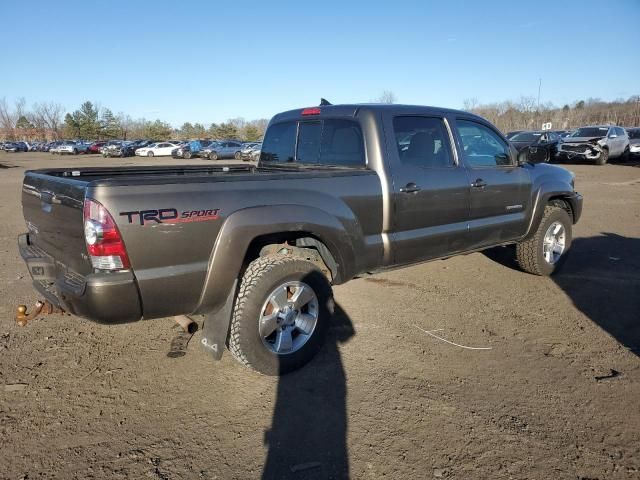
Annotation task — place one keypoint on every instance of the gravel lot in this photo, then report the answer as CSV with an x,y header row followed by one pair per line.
x,y
555,396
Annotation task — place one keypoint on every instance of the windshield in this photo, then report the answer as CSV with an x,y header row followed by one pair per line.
x,y
526,137
591,132
635,133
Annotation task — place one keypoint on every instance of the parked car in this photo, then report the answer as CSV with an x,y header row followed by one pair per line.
x,y
595,144
512,133
16,147
190,149
160,149
126,149
72,148
56,149
223,149
563,133
634,141
114,148
542,143
50,145
250,151
96,146
258,248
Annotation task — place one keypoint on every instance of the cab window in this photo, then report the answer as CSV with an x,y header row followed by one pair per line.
x,y
422,141
482,147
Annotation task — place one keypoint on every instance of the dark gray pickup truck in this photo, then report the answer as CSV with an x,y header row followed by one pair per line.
x,y
340,191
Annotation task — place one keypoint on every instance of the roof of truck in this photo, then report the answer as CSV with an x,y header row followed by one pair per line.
x,y
352,109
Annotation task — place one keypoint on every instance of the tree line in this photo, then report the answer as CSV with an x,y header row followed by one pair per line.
x,y
526,114
48,121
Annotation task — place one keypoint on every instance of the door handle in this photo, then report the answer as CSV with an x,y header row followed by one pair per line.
x,y
410,188
479,183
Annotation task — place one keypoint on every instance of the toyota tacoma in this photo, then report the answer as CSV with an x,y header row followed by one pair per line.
x,y
340,191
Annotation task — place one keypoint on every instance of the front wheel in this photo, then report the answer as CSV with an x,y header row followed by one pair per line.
x,y
545,252
237,155
213,156
281,314
149,154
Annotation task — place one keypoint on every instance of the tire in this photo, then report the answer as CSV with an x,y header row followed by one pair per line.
x,y
262,281
237,156
213,156
187,155
75,151
149,154
625,155
603,158
530,253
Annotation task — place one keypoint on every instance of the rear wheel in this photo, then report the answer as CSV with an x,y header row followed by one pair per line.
x,y
546,251
237,156
603,158
213,156
75,151
149,154
281,314
187,155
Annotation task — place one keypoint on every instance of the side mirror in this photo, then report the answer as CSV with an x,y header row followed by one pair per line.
x,y
523,157
533,155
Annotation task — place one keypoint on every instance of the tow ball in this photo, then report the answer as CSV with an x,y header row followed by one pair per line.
x,y
41,308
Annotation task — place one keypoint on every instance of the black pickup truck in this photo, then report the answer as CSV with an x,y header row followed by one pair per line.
x,y
339,191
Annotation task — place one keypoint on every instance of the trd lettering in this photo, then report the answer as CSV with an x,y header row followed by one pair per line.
x,y
145,216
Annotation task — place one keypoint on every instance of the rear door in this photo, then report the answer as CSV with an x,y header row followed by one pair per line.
x,y
499,190
430,189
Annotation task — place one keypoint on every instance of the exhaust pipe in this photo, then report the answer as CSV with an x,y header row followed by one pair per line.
x,y
186,323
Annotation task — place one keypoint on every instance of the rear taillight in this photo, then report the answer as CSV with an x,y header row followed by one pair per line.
x,y
104,243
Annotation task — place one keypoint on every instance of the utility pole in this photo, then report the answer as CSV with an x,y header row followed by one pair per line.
x,y
539,87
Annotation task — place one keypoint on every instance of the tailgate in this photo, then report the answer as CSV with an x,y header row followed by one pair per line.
x,y
52,208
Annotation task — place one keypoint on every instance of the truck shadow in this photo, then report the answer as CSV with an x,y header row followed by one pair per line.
x,y
307,439
602,277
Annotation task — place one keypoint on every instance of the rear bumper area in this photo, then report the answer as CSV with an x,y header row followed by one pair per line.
x,y
103,297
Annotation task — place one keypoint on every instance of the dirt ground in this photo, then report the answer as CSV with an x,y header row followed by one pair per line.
x,y
555,395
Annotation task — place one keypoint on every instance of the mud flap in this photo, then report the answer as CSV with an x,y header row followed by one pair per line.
x,y
216,326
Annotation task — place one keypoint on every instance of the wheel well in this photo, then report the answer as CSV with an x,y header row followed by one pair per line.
x,y
564,204
300,240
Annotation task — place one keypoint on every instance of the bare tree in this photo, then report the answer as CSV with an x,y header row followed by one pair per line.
x,y
387,96
8,119
53,115
470,104
126,124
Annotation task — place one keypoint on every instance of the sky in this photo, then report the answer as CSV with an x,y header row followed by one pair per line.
x,y
208,61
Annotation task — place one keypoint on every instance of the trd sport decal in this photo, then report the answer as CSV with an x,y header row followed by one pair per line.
x,y
170,216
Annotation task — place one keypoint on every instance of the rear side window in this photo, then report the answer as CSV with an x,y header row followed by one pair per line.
x,y
280,143
335,142
423,142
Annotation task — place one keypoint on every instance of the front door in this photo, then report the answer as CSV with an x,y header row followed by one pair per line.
x,y
499,188
430,190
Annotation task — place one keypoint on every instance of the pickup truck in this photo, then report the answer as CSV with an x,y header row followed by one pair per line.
x,y
340,191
